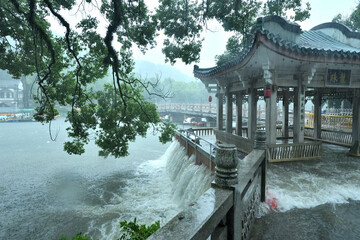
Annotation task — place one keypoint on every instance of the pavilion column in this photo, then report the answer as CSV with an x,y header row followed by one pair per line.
x,y
229,112
219,113
317,115
271,115
239,97
252,121
355,149
299,114
285,118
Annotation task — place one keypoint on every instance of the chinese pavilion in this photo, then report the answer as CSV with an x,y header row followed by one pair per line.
x,y
288,63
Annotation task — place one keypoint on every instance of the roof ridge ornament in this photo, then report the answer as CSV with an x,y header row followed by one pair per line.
x,y
285,24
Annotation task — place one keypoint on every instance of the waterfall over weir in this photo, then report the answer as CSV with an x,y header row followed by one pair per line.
x,y
189,180
158,190
45,193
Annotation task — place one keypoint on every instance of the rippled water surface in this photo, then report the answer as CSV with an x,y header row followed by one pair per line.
x,y
45,193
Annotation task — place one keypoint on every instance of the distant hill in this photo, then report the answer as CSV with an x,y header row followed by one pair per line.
x,y
147,69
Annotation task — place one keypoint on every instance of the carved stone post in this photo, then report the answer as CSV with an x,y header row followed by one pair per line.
x,y
226,163
226,177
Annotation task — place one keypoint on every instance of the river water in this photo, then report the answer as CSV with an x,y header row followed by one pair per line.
x,y
317,199
46,193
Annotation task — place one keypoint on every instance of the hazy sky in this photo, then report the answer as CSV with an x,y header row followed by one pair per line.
x,y
214,44
215,40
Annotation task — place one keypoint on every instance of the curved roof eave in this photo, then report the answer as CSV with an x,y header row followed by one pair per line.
x,y
282,47
237,62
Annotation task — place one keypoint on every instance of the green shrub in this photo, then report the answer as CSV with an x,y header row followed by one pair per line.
x,y
132,230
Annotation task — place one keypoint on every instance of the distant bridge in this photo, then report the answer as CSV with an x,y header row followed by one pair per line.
x,y
204,110
179,111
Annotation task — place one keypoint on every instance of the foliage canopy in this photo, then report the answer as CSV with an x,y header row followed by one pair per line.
x,y
290,9
352,21
67,65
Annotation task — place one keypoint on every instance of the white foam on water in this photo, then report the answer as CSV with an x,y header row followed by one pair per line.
x,y
189,180
160,189
310,189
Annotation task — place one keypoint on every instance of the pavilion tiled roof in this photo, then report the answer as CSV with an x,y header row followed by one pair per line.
x,y
320,41
312,42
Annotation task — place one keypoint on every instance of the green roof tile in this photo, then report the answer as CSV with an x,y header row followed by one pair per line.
x,y
310,42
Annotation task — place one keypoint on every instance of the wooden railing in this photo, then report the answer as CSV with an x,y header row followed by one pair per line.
x,y
293,152
222,212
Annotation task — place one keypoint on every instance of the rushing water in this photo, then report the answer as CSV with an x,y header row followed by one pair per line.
x,y
46,193
317,199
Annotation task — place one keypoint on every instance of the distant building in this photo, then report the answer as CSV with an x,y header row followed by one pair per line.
x,y
11,92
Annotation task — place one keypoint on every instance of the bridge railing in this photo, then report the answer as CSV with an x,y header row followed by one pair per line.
x,y
200,108
224,211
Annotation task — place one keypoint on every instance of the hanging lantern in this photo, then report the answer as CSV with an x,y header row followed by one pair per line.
x,y
210,98
267,93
